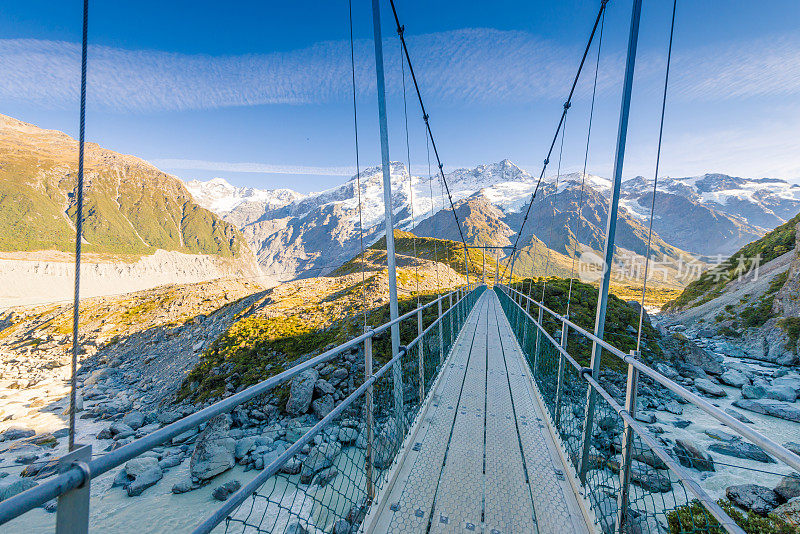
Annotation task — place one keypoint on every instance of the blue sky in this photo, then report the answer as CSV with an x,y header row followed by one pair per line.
x,y
259,92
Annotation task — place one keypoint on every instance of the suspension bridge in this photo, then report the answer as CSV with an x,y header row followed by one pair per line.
x,y
484,421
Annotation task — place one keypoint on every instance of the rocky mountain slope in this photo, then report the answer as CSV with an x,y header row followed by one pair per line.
x,y
752,298
304,235
131,211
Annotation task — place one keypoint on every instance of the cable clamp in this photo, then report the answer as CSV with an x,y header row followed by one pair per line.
x,y
87,472
567,105
585,371
425,117
401,29
402,351
547,161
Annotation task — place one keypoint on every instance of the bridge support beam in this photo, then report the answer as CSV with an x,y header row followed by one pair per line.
x,y
370,455
561,363
421,357
611,231
397,370
623,499
72,512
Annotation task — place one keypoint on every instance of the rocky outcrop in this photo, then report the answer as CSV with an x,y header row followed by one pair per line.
x,y
754,498
214,451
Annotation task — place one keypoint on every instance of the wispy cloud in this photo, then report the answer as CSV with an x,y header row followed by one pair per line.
x,y
477,65
259,168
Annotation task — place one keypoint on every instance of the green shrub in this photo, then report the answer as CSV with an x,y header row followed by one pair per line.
x,y
694,517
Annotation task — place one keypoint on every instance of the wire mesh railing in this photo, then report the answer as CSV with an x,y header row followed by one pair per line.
x,y
318,476
633,480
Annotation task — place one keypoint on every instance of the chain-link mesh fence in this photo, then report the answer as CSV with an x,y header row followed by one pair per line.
x,y
330,483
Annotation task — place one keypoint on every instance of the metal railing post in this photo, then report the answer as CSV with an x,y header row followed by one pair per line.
x,y
452,316
370,456
72,512
611,231
420,356
538,339
525,331
391,263
441,333
631,393
561,362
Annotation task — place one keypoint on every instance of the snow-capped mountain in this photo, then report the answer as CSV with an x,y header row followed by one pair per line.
x,y
306,235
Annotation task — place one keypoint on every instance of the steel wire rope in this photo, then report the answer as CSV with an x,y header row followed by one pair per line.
x,y
408,170
78,230
401,32
585,163
553,218
566,107
358,166
655,176
433,220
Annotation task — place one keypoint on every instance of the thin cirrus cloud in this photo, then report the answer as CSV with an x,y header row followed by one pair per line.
x,y
259,168
467,66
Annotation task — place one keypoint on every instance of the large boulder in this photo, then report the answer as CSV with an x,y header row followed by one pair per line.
x,y
322,406
709,388
742,449
753,392
214,450
753,498
13,487
145,472
788,512
781,393
320,457
774,408
649,478
135,420
789,487
792,381
302,392
691,455
734,378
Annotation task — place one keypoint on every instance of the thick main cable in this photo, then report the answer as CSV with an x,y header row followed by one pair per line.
x,y
425,117
566,107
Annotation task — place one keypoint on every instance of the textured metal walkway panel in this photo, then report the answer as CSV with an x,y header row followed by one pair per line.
x,y
411,500
459,506
481,459
557,509
507,499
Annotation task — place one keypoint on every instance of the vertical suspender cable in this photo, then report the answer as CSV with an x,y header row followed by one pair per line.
x,y
567,105
410,180
655,177
358,167
585,162
433,220
78,231
553,218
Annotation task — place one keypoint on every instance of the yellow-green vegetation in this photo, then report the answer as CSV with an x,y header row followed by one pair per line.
x,y
655,295
791,325
712,282
130,207
622,320
694,517
756,313
444,251
257,347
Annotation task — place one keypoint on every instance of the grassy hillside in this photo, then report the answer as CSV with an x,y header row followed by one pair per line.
x,y
712,282
444,251
622,320
130,207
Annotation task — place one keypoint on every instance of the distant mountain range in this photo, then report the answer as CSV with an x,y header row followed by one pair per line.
x,y
296,234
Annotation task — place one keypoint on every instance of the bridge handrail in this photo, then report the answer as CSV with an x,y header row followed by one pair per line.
x,y
685,478
779,451
78,475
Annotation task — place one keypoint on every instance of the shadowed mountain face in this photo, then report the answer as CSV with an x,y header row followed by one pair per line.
x,y
130,207
706,215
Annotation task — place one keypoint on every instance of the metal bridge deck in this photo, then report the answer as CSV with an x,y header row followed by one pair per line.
x,y
481,459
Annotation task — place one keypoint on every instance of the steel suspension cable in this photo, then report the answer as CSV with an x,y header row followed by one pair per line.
x,y
78,230
410,180
566,107
655,176
585,163
553,218
358,167
401,33
433,220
